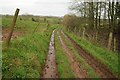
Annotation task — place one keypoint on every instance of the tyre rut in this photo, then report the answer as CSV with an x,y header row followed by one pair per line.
x,y
72,60
100,69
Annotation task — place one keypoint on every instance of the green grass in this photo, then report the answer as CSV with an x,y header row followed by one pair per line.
x,y
84,65
63,66
108,58
6,21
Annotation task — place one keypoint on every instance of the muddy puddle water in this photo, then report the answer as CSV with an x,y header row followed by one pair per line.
x,y
50,70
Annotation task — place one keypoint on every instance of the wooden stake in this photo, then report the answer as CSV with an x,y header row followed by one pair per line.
x,y
83,35
110,40
12,27
115,43
36,27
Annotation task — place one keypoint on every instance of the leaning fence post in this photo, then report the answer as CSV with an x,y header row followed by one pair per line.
x,y
12,27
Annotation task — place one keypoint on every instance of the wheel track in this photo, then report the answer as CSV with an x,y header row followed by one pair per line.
x,y
100,69
73,61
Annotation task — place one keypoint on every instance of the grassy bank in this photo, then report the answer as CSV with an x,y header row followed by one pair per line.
x,y
26,56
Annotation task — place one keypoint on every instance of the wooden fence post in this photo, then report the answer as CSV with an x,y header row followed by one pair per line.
x,y
12,27
110,40
36,27
48,24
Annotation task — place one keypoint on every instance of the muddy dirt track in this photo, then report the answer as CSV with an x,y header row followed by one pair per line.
x,y
50,69
79,73
99,68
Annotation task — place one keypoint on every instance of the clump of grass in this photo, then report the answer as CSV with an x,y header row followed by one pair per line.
x,y
64,69
108,58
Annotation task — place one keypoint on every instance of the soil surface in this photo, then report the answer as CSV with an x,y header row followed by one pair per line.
x,y
5,32
50,69
99,68
79,73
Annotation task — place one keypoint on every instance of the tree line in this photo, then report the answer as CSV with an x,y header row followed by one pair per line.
x,y
95,21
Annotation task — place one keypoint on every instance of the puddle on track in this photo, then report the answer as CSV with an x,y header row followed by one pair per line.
x,y
50,70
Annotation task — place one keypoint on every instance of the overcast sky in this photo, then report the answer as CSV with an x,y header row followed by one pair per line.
x,y
36,7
